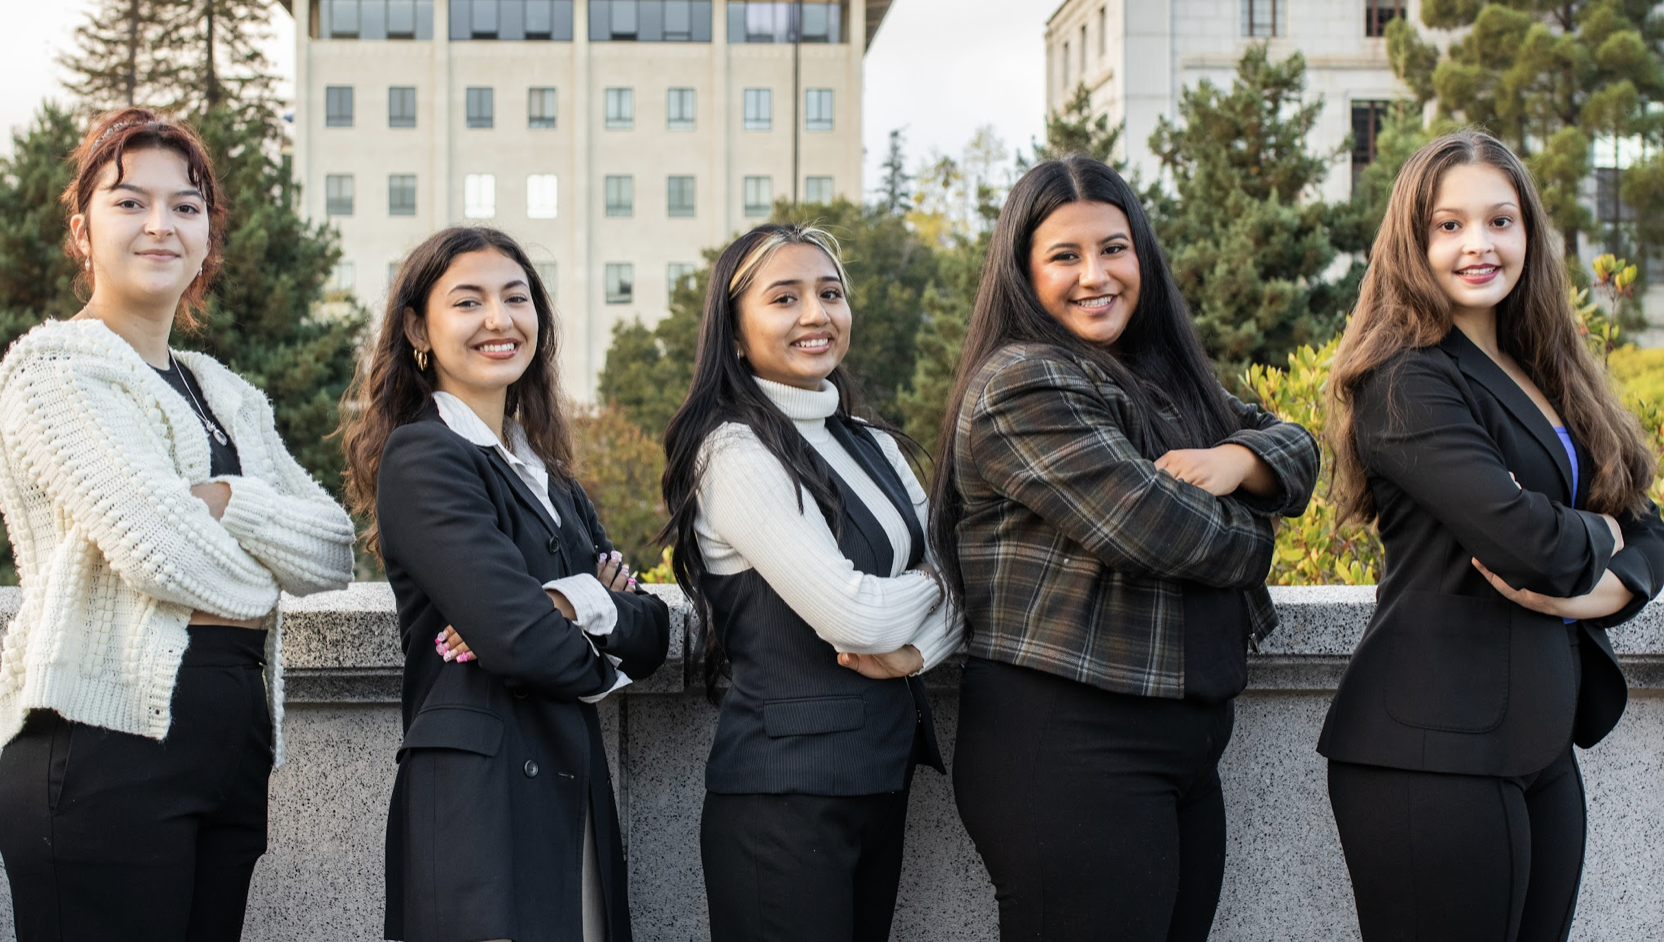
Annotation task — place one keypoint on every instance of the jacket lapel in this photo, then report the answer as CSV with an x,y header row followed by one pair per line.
x,y
520,488
1479,367
858,441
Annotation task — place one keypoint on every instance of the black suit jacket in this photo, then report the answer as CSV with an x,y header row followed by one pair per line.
x,y
500,760
1450,676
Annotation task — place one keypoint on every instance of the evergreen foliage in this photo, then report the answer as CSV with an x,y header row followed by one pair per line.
x,y
1249,246
1073,128
124,55
893,192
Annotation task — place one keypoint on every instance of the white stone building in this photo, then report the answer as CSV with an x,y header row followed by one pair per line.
x,y
1138,56
614,138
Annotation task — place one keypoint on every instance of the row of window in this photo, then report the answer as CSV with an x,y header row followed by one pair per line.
x,y
618,104
686,21
1266,18
479,195
1260,19
618,278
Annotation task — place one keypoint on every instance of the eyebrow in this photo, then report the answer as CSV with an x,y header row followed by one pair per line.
x,y
143,192
789,282
1505,204
1075,245
516,283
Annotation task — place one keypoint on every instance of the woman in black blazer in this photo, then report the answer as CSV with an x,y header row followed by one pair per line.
x,y
502,823
1509,486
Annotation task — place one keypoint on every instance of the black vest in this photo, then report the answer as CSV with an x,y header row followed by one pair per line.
x,y
794,721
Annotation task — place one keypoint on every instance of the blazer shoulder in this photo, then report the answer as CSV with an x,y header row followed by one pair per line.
x,y
1022,367
425,441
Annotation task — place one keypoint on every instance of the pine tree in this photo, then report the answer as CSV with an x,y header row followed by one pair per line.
x,y
1549,79
893,188
220,59
1074,128
1248,245
36,277
123,56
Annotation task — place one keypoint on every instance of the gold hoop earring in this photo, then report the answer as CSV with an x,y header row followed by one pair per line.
x,y
422,360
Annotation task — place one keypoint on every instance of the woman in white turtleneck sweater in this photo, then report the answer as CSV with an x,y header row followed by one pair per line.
x,y
799,535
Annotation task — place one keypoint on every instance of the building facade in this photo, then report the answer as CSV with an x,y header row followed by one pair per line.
x,y
1136,57
616,139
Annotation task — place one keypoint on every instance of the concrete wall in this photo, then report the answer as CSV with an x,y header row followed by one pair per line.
x,y
322,878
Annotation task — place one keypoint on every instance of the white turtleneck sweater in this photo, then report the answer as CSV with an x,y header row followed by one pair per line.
x,y
748,518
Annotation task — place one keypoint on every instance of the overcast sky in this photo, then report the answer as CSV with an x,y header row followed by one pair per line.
x,y
939,69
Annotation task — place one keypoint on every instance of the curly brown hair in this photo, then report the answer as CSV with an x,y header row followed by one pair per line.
x,y
1401,307
389,389
110,137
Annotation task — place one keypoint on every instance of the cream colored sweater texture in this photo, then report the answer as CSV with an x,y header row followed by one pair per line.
x,y
97,458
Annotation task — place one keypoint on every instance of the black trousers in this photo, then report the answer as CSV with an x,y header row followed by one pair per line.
x,y
802,868
1099,815
108,835
1459,857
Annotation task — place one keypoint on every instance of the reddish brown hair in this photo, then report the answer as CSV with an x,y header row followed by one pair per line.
x,y
108,140
1401,306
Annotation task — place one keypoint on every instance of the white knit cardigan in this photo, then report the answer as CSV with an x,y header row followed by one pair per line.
x,y
97,458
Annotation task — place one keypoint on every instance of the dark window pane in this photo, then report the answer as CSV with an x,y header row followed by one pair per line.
x,y
343,20
650,21
484,22
678,20
563,21
539,19
372,19
424,19
401,19
511,23
700,16
461,19
401,107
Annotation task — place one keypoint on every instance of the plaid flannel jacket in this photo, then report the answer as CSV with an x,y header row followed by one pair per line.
x,y
1075,550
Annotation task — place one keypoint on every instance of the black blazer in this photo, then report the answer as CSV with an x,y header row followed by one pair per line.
x,y
500,760
1450,676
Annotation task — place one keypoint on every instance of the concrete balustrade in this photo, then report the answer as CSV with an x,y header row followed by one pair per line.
x,y
1285,879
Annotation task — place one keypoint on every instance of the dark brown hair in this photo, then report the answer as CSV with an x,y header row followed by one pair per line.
x,y
389,389
108,140
1401,307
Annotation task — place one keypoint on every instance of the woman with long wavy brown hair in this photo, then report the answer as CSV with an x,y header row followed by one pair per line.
x,y
502,823
1470,421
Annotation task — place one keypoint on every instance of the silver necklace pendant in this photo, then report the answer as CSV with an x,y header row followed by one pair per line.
x,y
215,430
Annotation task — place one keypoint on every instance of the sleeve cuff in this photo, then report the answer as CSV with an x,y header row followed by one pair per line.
x,y
248,511
620,683
944,637
591,602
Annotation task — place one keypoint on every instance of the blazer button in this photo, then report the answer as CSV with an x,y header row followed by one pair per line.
x,y
531,769
553,546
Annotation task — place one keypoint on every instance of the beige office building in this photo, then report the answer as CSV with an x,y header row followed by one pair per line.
x,y
1138,56
616,139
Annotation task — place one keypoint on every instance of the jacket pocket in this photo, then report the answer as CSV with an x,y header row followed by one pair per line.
x,y
463,728
805,715
1448,660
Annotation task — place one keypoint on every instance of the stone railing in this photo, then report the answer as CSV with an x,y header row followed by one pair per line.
x,y
1285,880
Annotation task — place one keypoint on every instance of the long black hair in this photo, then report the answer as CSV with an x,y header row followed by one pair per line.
x,y
1157,360
723,390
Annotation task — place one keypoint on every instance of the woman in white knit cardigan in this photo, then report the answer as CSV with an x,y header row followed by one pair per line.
x,y
154,515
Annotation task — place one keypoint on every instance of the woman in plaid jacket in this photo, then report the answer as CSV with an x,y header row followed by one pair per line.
x,y
1104,514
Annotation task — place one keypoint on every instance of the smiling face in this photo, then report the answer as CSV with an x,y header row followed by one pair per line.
x,y
145,237
1476,239
1083,269
480,329
794,318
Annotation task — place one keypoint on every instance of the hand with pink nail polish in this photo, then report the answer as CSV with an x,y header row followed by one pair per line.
x,y
450,646
612,572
